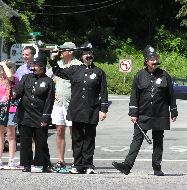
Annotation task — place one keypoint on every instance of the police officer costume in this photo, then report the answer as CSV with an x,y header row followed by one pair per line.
x,y
152,96
37,94
88,97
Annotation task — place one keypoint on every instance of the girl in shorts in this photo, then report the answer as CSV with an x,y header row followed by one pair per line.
x,y
8,81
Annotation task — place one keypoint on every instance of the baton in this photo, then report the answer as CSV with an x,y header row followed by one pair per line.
x,y
70,49
146,137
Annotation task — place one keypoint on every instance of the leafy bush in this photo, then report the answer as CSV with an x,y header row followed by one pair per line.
x,y
119,82
115,79
174,63
172,42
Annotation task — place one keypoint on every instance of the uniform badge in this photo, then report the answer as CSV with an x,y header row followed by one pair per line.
x,y
43,84
151,49
158,81
92,76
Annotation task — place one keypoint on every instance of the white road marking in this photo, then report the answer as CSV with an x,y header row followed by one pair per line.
x,y
110,149
119,99
178,148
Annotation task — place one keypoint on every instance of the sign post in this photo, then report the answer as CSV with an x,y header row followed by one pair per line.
x,y
125,66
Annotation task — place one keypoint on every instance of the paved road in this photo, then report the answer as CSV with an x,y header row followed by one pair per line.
x,y
112,143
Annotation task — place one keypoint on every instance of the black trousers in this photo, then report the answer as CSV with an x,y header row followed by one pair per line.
x,y
138,138
83,144
41,157
21,162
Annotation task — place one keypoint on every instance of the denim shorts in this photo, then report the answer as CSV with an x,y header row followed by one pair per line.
x,y
11,120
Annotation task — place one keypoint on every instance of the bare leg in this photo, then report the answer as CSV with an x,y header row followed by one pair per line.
x,y
60,141
70,131
2,128
11,141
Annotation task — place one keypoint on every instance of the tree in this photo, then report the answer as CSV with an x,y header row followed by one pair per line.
x,y
106,23
182,12
22,24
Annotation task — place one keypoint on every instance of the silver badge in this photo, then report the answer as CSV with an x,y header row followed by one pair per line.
x,y
43,84
158,81
151,49
92,76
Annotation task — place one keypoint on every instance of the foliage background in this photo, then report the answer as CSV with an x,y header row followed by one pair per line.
x,y
116,28
172,62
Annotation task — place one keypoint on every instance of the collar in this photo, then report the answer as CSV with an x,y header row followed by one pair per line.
x,y
27,66
155,71
89,66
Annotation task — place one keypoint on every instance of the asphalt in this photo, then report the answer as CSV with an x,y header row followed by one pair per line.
x,y
112,143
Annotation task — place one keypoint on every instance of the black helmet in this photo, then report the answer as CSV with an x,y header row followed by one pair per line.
x,y
149,52
87,46
40,60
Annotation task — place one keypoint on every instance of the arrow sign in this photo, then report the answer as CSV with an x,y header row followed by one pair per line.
x,y
125,65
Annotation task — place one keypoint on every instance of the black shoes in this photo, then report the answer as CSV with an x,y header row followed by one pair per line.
x,y
26,169
158,173
44,170
122,167
49,169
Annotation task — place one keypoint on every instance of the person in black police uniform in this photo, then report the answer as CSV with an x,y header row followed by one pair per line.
x,y
89,102
152,97
36,91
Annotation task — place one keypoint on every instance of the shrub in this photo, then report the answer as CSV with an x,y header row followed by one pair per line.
x,y
174,63
171,42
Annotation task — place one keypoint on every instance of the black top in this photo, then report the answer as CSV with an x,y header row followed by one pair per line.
x,y
88,91
37,97
152,96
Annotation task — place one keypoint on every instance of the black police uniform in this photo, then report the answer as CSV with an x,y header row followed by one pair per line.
x,y
152,96
37,97
88,97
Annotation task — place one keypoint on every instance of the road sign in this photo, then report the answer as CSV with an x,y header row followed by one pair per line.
x,y
35,33
125,65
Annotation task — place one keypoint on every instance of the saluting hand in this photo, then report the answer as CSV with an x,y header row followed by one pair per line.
x,y
54,54
102,115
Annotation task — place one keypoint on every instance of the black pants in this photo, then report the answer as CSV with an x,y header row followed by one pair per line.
x,y
42,157
83,144
138,138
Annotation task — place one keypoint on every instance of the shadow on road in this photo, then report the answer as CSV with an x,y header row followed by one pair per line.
x,y
105,167
172,175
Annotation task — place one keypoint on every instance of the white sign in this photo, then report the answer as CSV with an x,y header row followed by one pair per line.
x,y
16,52
125,65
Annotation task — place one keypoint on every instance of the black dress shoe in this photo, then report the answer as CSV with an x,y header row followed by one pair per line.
x,y
48,169
158,173
122,167
26,169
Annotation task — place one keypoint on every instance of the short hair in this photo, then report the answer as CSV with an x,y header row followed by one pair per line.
x,y
33,50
